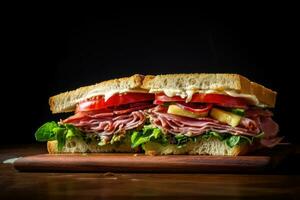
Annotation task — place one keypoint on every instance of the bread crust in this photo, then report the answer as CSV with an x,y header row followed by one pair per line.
x,y
264,95
217,82
52,146
66,102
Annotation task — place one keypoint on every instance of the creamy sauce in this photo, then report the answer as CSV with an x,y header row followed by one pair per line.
x,y
107,95
188,94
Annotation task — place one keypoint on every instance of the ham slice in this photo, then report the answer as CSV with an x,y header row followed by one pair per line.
x,y
271,142
86,116
250,124
107,115
266,125
269,127
109,125
257,112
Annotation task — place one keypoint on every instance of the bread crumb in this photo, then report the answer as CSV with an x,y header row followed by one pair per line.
x,y
109,174
151,153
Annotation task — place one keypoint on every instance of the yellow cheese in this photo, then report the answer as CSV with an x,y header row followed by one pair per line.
x,y
225,117
176,110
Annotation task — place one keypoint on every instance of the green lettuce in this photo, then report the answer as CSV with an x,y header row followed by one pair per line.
x,y
232,140
63,132
148,133
217,135
60,132
238,111
153,134
181,140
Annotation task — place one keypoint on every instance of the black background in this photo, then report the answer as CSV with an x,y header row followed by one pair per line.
x,y
52,52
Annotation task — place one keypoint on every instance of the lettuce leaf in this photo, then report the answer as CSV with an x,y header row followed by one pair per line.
x,y
238,111
181,139
217,135
233,140
46,132
117,138
60,132
61,138
148,133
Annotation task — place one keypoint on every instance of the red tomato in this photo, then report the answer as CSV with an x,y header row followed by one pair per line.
x,y
99,103
219,99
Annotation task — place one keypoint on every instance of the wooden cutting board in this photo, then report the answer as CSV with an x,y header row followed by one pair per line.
x,y
113,162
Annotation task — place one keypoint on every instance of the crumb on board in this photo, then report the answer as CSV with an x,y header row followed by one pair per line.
x,y
109,174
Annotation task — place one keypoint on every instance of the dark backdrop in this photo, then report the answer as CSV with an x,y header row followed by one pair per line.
x,y
55,52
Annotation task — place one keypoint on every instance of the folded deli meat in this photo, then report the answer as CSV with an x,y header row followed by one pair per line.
x,y
214,114
248,126
105,125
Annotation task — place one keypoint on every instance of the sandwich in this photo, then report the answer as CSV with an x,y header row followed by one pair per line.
x,y
214,114
105,115
203,114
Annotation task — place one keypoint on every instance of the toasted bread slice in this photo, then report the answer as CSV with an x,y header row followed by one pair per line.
x,y
218,82
202,147
211,146
66,102
80,146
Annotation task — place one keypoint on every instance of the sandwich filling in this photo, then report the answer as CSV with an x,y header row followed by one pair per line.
x,y
102,121
160,119
229,119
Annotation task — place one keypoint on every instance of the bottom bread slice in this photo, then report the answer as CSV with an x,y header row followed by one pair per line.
x,y
80,146
210,146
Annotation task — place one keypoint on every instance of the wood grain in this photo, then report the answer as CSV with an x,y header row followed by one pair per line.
x,y
280,183
112,162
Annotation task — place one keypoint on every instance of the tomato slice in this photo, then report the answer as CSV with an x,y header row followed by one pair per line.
x,y
99,103
218,99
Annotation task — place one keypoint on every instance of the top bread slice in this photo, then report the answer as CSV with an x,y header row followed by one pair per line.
x,y
66,102
218,82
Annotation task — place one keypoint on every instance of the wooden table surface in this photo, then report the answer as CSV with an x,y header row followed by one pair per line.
x,y
282,183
